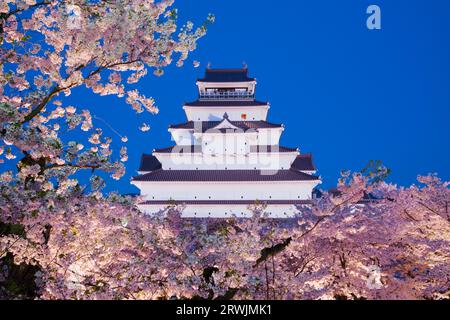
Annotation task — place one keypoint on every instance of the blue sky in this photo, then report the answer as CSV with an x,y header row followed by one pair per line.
x,y
345,93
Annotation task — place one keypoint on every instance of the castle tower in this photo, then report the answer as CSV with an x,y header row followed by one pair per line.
x,y
226,157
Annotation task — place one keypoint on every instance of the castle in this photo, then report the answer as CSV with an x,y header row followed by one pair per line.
x,y
226,160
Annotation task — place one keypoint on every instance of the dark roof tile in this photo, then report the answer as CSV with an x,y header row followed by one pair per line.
x,y
225,175
207,125
303,162
198,149
226,75
149,163
180,149
225,103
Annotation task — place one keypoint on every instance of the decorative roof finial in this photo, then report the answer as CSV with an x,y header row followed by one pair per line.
x,y
244,65
209,65
225,115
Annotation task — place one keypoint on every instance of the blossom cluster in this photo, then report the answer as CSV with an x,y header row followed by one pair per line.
x,y
394,244
50,48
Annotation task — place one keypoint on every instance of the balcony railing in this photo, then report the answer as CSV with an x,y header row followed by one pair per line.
x,y
227,95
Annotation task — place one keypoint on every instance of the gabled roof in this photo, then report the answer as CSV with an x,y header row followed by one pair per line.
x,y
149,163
303,162
226,75
226,103
225,175
206,125
225,124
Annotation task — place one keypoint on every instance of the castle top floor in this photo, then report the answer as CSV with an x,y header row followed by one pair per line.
x,y
226,84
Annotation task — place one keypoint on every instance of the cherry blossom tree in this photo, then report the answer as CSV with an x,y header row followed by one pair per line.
x,y
393,244
50,47
368,240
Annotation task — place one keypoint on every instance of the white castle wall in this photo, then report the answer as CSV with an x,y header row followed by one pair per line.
x,y
195,161
234,113
249,85
201,190
216,141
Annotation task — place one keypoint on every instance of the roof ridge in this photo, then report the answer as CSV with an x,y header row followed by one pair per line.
x,y
226,70
226,75
225,103
305,155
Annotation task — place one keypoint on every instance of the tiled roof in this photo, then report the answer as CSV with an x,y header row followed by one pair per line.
x,y
149,163
198,149
225,103
226,75
303,162
224,202
225,175
180,149
206,125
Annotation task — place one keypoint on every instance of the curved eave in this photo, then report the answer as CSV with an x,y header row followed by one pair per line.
x,y
225,104
226,83
254,149
225,176
243,125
